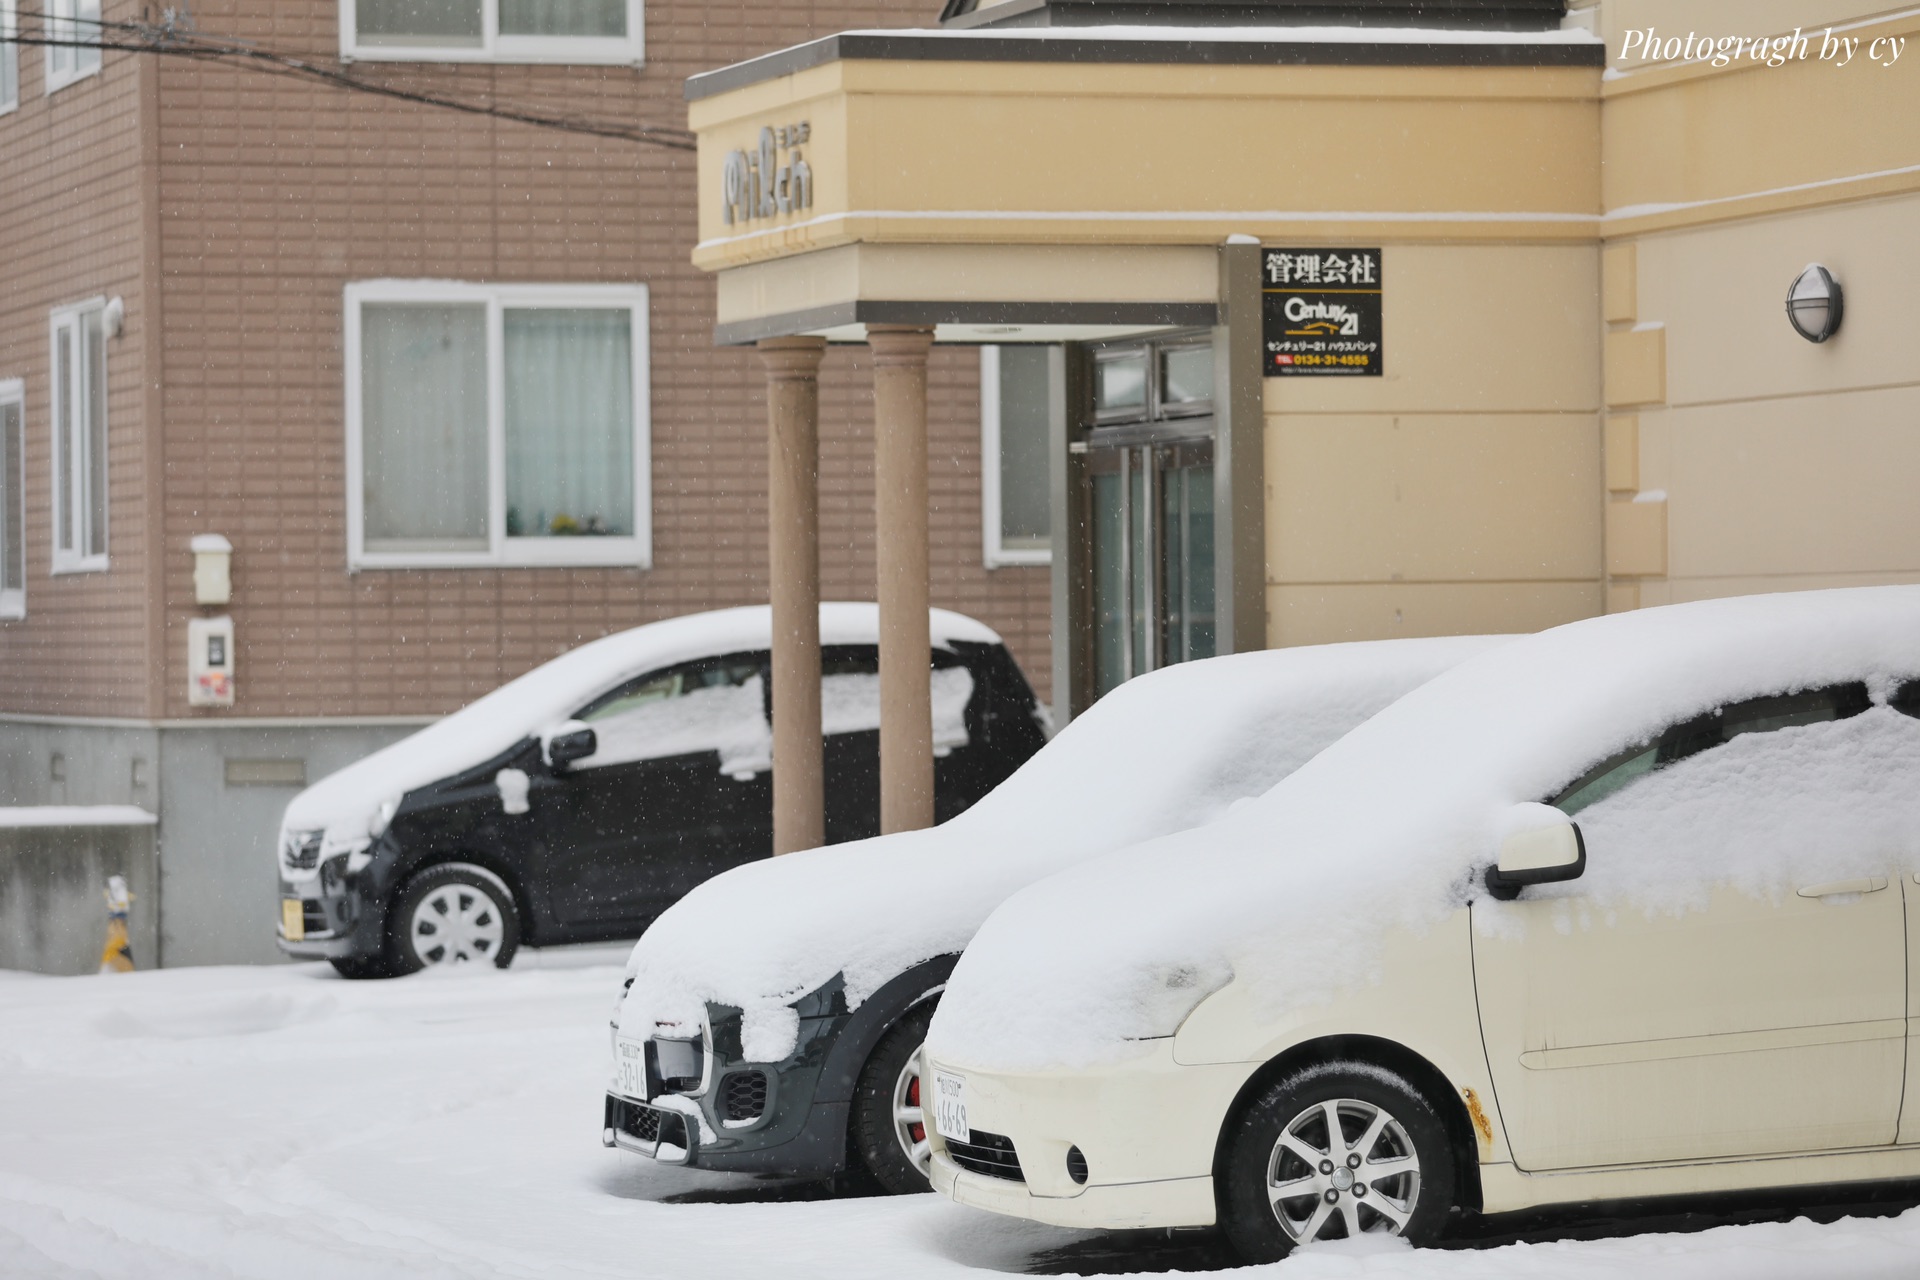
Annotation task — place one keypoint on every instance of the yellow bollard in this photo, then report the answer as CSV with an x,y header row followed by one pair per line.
x,y
117,955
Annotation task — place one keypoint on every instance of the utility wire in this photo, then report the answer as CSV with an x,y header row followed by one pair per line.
x,y
170,40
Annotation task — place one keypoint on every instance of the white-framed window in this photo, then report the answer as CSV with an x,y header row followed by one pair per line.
x,y
496,425
79,402
561,31
77,21
13,497
1015,401
9,56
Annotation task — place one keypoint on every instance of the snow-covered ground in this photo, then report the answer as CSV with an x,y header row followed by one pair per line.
x,y
279,1122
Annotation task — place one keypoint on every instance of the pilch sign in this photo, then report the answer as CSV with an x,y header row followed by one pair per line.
x,y
771,180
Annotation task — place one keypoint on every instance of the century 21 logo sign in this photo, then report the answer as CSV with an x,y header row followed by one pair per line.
x,y
756,184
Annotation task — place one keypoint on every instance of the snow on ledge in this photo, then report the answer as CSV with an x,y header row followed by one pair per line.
x,y
1250,34
76,815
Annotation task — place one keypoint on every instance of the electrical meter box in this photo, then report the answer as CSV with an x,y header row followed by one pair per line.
x,y
210,662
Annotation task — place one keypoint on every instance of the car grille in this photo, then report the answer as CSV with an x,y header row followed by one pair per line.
x,y
988,1153
647,1124
745,1096
301,850
313,919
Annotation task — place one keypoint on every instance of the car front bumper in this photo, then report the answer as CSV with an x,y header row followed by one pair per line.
x,y
1176,1202
1147,1129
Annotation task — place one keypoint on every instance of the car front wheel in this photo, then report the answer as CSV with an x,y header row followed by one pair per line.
x,y
889,1135
456,913
1334,1152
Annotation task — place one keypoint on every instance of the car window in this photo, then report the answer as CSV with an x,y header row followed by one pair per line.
x,y
715,705
1906,698
1703,733
850,696
658,686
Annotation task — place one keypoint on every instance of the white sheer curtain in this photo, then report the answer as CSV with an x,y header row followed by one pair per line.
x,y
563,17
569,421
423,426
431,22
9,55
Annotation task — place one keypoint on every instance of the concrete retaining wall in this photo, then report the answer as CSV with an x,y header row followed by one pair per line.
x,y
53,911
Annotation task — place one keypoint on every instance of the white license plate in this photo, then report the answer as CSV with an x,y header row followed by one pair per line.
x,y
630,1067
950,1107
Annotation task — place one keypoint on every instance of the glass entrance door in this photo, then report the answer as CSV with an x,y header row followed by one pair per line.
x,y
1152,523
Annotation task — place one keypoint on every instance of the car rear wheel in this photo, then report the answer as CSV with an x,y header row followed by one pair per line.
x,y
889,1130
1334,1152
452,914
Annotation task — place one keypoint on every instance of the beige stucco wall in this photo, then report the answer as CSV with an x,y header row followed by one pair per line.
x,y
1761,462
1461,490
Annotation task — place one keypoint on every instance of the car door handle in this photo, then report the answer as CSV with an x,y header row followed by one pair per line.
x,y
1834,888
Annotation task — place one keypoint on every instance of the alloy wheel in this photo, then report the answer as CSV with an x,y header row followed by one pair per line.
x,y
909,1117
1340,1168
455,923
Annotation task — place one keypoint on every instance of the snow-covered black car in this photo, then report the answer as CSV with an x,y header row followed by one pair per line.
x,y
581,800
772,1020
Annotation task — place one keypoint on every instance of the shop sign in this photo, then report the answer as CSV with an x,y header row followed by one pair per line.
x,y
1321,312
771,180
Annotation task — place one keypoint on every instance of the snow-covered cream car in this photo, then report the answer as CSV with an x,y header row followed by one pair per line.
x,y
584,798
773,1018
1620,910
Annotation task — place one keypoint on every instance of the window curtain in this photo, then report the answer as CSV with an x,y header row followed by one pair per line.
x,y
13,554
569,411
429,22
94,405
423,426
9,56
1026,521
563,18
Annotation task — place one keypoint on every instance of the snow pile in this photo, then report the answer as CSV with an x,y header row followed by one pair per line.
x,y
1294,893
1164,752
344,803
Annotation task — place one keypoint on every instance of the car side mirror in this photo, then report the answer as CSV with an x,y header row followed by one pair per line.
x,y
1539,852
570,742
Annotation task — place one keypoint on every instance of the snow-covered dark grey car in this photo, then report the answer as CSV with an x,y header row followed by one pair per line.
x,y
772,1019
578,802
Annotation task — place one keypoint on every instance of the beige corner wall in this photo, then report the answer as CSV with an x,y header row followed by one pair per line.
x,y
1785,464
1461,491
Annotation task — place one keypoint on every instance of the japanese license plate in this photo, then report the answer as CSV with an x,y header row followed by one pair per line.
x,y
630,1067
293,920
950,1107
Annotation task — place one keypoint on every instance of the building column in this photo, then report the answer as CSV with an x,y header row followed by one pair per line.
x,y
793,541
900,509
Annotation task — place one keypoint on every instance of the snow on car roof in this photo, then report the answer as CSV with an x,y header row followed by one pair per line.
x,y
1293,895
550,692
1168,750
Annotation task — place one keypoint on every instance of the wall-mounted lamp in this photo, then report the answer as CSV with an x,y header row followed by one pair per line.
x,y
113,318
212,579
1814,304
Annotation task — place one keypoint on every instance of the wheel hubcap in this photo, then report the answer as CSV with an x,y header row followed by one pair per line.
x,y
456,923
909,1118
1341,1168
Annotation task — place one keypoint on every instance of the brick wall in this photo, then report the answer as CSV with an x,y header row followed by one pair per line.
x,y
72,220
271,195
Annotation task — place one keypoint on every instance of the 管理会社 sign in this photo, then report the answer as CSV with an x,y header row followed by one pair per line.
x,y
1321,312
